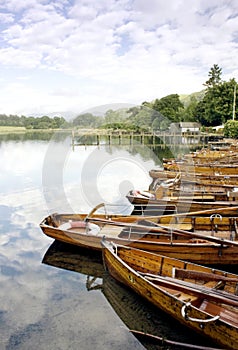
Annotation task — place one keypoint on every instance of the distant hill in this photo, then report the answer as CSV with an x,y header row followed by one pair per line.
x,y
101,110
123,107
185,99
67,115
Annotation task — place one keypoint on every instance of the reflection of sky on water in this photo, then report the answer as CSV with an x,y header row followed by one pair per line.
x,y
81,178
43,307
105,177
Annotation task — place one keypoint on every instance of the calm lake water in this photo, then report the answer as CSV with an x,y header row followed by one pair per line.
x,y
58,297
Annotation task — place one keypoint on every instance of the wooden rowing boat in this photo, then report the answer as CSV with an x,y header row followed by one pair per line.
x,y
181,203
202,193
199,297
206,156
193,177
211,169
210,239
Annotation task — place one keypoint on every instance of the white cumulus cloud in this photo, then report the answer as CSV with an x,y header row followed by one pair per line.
x,y
109,51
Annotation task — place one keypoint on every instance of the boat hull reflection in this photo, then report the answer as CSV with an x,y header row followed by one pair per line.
x,y
135,312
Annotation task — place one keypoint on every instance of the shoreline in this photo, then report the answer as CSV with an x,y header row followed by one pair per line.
x,y
4,130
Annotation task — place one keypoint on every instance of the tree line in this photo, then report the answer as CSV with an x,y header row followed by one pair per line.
x,y
44,122
211,107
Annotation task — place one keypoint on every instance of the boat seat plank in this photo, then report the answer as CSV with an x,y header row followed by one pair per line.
x,y
179,226
109,230
228,315
180,295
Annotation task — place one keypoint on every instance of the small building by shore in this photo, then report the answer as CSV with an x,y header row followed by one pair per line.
x,y
185,127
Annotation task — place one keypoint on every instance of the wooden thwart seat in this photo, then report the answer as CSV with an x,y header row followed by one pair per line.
x,y
225,314
199,275
179,226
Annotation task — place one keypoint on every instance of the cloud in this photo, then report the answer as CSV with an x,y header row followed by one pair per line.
x,y
113,51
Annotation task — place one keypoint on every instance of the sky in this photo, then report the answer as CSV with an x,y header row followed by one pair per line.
x,y
70,56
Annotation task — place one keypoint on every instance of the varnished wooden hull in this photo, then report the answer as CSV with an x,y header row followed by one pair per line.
x,y
203,169
181,205
183,247
218,179
200,193
130,267
206,156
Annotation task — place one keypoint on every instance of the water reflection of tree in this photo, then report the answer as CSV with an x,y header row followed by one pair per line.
x,y
145,152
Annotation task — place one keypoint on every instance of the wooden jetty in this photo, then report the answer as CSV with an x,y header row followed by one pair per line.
x,y
86,137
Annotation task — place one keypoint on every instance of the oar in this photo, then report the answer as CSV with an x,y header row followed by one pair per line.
x,y
194,289
201,275
144,228
194,213
197,235
171,342
157,228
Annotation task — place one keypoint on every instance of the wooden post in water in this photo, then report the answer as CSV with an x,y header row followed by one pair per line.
x,y
131,138
163,146
120,137
73,136
142,138
73,140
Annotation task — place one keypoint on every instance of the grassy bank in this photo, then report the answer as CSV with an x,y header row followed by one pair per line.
x,y
11,129
22,129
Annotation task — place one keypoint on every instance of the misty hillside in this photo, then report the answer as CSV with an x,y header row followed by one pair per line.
x,y
186,99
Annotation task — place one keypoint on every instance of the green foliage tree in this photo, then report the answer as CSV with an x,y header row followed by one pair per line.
x,y
188,114
11,120
217,105
58,122
125,126
214,76
156,115
169,107
112,116
86,120
231,129
141,117
44,122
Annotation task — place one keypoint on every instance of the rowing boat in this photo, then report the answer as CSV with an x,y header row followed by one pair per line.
x,y
211,169
181,203
210,239
193,177
202,298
